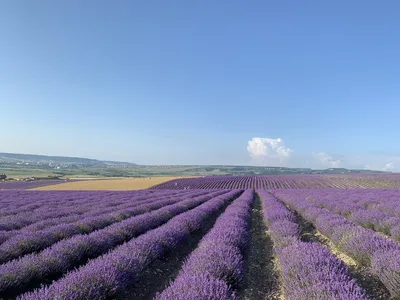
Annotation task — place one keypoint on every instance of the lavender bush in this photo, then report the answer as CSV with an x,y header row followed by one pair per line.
x,y
386,264
27,242
69,253
199,287
363,245
309,270
110,275
284,182
88,207
219,256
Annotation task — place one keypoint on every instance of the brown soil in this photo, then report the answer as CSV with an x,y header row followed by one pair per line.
x,y
261,276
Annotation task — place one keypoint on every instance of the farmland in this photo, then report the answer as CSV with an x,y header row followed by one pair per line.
x,y
284,182
109,184
265,237
213,182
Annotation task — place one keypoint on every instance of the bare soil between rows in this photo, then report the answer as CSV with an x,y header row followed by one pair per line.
x,y
261,277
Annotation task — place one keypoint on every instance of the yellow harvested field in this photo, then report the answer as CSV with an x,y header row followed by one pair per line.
x,y
125,184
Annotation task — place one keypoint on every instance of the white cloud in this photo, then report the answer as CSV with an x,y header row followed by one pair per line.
x,y
379,164
268,150
273,152
389,167
327,160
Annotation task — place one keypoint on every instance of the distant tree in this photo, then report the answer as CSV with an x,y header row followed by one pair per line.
x,y
3,176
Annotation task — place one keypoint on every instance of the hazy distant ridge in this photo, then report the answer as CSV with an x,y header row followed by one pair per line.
x,y
34,158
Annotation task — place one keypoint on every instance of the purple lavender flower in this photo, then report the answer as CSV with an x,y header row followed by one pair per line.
x,y
111,275
311,271
386,265
198,287
219,256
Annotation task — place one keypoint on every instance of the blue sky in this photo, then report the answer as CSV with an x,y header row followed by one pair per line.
x,y
185,82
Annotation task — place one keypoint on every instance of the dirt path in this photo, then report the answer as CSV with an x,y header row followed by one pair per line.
x,y
261,278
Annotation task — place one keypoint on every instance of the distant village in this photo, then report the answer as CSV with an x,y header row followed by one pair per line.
x,y
4,177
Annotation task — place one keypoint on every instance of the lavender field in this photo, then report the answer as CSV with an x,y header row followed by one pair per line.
x,y
342,181
25,185
236,241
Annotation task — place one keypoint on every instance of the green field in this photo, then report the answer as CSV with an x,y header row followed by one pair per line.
x,y
27,165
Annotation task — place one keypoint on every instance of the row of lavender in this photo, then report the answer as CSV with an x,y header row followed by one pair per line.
x,y
49,209
367,247
32,211
282,182
308,270
216,268
113,274
158,222
246,182
26,241
50,213
375,209
30,270
14,202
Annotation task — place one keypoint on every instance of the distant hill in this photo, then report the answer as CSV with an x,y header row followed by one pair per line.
x,y
61,165
261,170
15,158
